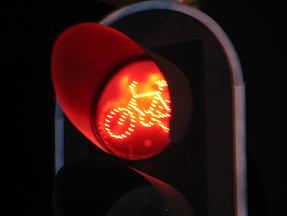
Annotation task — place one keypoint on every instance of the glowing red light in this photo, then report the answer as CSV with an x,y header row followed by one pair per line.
x,y
134,110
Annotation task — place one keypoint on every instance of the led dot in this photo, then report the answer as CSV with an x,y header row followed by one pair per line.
x,y
147,143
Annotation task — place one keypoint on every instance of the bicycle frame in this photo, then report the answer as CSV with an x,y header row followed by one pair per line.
x,y
158,109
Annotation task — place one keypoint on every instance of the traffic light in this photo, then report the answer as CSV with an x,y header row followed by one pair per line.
x,y
157,86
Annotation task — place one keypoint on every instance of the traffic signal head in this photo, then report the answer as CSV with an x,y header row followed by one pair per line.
x,y
161,88
115,93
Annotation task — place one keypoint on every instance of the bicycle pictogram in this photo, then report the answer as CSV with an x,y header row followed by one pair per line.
x,y
121,122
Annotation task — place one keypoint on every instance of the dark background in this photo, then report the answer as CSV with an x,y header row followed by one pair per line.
x,y
27,35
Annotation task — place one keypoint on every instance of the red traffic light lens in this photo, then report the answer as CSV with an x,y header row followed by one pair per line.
x,y
133,112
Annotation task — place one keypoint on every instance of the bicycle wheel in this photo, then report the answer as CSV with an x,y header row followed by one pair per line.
x,y
119,123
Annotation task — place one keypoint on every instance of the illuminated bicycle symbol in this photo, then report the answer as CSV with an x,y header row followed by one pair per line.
x,y
131,115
